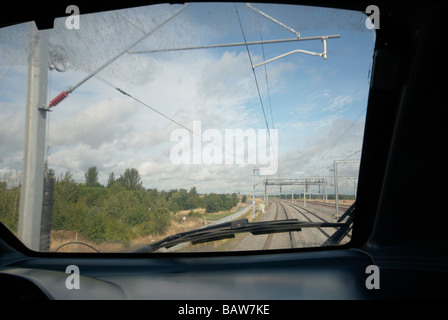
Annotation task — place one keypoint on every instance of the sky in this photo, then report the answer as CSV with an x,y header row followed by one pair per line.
x,y
315,108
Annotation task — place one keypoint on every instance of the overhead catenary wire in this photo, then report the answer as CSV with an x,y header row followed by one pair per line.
x,y
345,132
253,71
131,96
339,139
298,37
256,80
59,98
65,93
260,99
266,79
5,72
267,89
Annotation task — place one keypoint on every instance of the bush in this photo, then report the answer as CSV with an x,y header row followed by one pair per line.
x,y
116,213
194,214
101,227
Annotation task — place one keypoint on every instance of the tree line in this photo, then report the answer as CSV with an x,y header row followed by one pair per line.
x,y
116,212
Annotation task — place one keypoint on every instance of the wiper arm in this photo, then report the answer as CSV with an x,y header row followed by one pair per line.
x,y
229,229
342,232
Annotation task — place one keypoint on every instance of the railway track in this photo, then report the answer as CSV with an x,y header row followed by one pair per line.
x,y
308,237
321,217
283,215
308,215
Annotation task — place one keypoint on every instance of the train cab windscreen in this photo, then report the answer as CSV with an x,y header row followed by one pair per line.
x,y
184,127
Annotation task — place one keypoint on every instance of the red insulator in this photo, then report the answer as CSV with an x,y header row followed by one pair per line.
x,y
58,99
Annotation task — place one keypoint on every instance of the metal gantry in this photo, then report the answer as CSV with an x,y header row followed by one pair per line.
x,y
296,182
297,37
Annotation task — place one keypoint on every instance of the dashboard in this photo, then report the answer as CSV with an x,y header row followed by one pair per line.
x,y
266,277
331,274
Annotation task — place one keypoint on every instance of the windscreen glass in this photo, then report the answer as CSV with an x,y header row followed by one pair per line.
x,y
121,128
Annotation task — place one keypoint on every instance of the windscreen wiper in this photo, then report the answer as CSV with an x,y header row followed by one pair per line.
x,y
342,232
228,230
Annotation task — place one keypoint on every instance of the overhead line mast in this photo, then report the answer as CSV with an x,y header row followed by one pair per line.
x,y
32,190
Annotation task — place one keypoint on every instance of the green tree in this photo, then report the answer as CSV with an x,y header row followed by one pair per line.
x,y
174,207
91,177
213,203
66,194
10,199
50,174
235,199
111,180
103,227
130,179
193,199
244,199
180,197
159,218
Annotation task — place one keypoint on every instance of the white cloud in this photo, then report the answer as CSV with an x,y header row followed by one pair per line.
x,y
335,141
93,125
339,102
11,129
79,158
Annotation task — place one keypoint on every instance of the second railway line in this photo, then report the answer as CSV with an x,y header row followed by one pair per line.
x,y
308,237
314,236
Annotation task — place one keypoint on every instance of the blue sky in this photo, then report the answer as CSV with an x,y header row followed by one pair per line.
x,y
317,105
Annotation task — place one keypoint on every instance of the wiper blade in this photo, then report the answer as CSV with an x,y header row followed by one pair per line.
x,y
342,232
229,229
